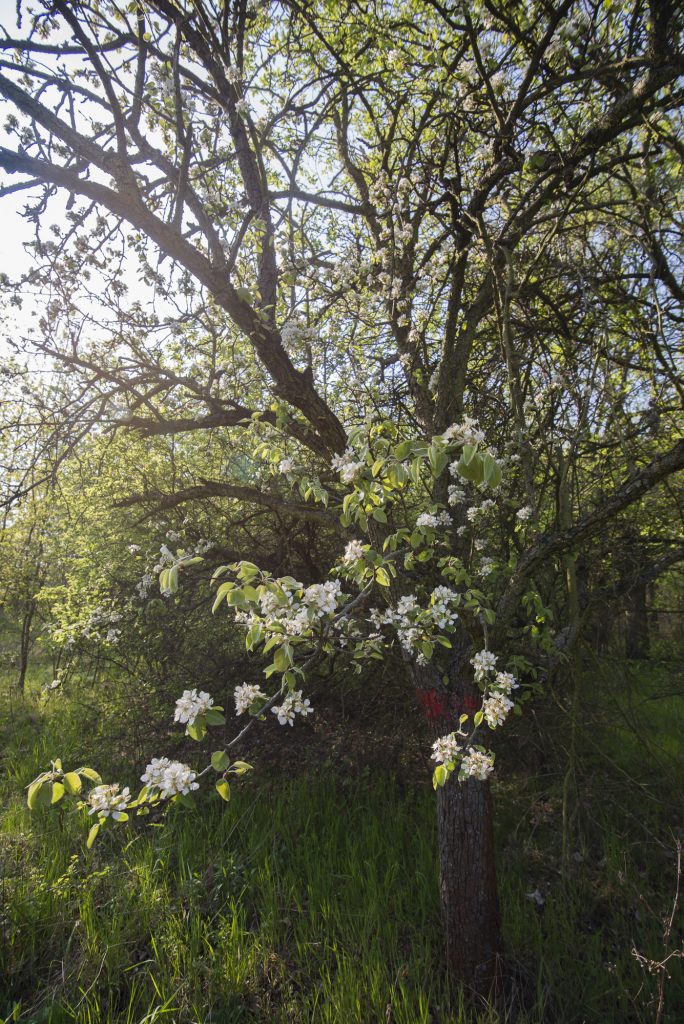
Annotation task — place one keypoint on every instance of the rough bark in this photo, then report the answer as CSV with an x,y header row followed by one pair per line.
x,y
465,826
25,644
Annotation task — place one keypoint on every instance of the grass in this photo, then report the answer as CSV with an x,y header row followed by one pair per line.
x,y
314,899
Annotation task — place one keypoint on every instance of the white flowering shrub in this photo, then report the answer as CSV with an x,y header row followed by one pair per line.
x,y
380,494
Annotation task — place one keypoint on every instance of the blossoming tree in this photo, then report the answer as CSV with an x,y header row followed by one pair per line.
x,y
378,240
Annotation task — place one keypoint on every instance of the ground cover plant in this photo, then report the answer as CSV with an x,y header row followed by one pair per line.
x,y
320,903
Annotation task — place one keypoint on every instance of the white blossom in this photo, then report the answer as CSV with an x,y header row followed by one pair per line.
x,y
144,586
352,552
446,749
426,519
505,682
483,662
134,548
323,596
177,778
291,706
347,467
407,604
245,695
107,800
154,772
286,466
523,514
477,764
467,432
496,709
192,704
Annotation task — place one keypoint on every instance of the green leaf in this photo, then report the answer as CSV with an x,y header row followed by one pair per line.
x,y
224,589
90,773
240,767
220,761
92,835
382,577
72,783
379,516
282,659
223,790
478,717
198,729
37,796
440,776
57,792
214,717
472,470
247,571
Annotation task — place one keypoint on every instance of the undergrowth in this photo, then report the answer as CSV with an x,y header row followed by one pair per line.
x,y
315,898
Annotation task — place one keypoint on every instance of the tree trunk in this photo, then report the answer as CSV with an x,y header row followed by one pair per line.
x,y
25,644
637,639
465,827
468,889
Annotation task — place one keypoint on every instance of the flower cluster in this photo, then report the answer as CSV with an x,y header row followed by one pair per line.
x,y
107,800
505,682
352,552
477,764
245,696
415,625
191,705
288,609
483,663
467,432
446,749
441,608
291,706
169,777
477,511
524,514
433,520
347,466
495,709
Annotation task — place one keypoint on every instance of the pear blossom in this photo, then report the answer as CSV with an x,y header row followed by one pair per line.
x,y
191,705
291,706
352,552
505,682
483,662
177,778
347,467
153,775
245,695
446,749
477,764
495,709
107,800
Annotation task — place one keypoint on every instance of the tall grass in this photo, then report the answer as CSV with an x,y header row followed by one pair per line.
x,y
313,899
